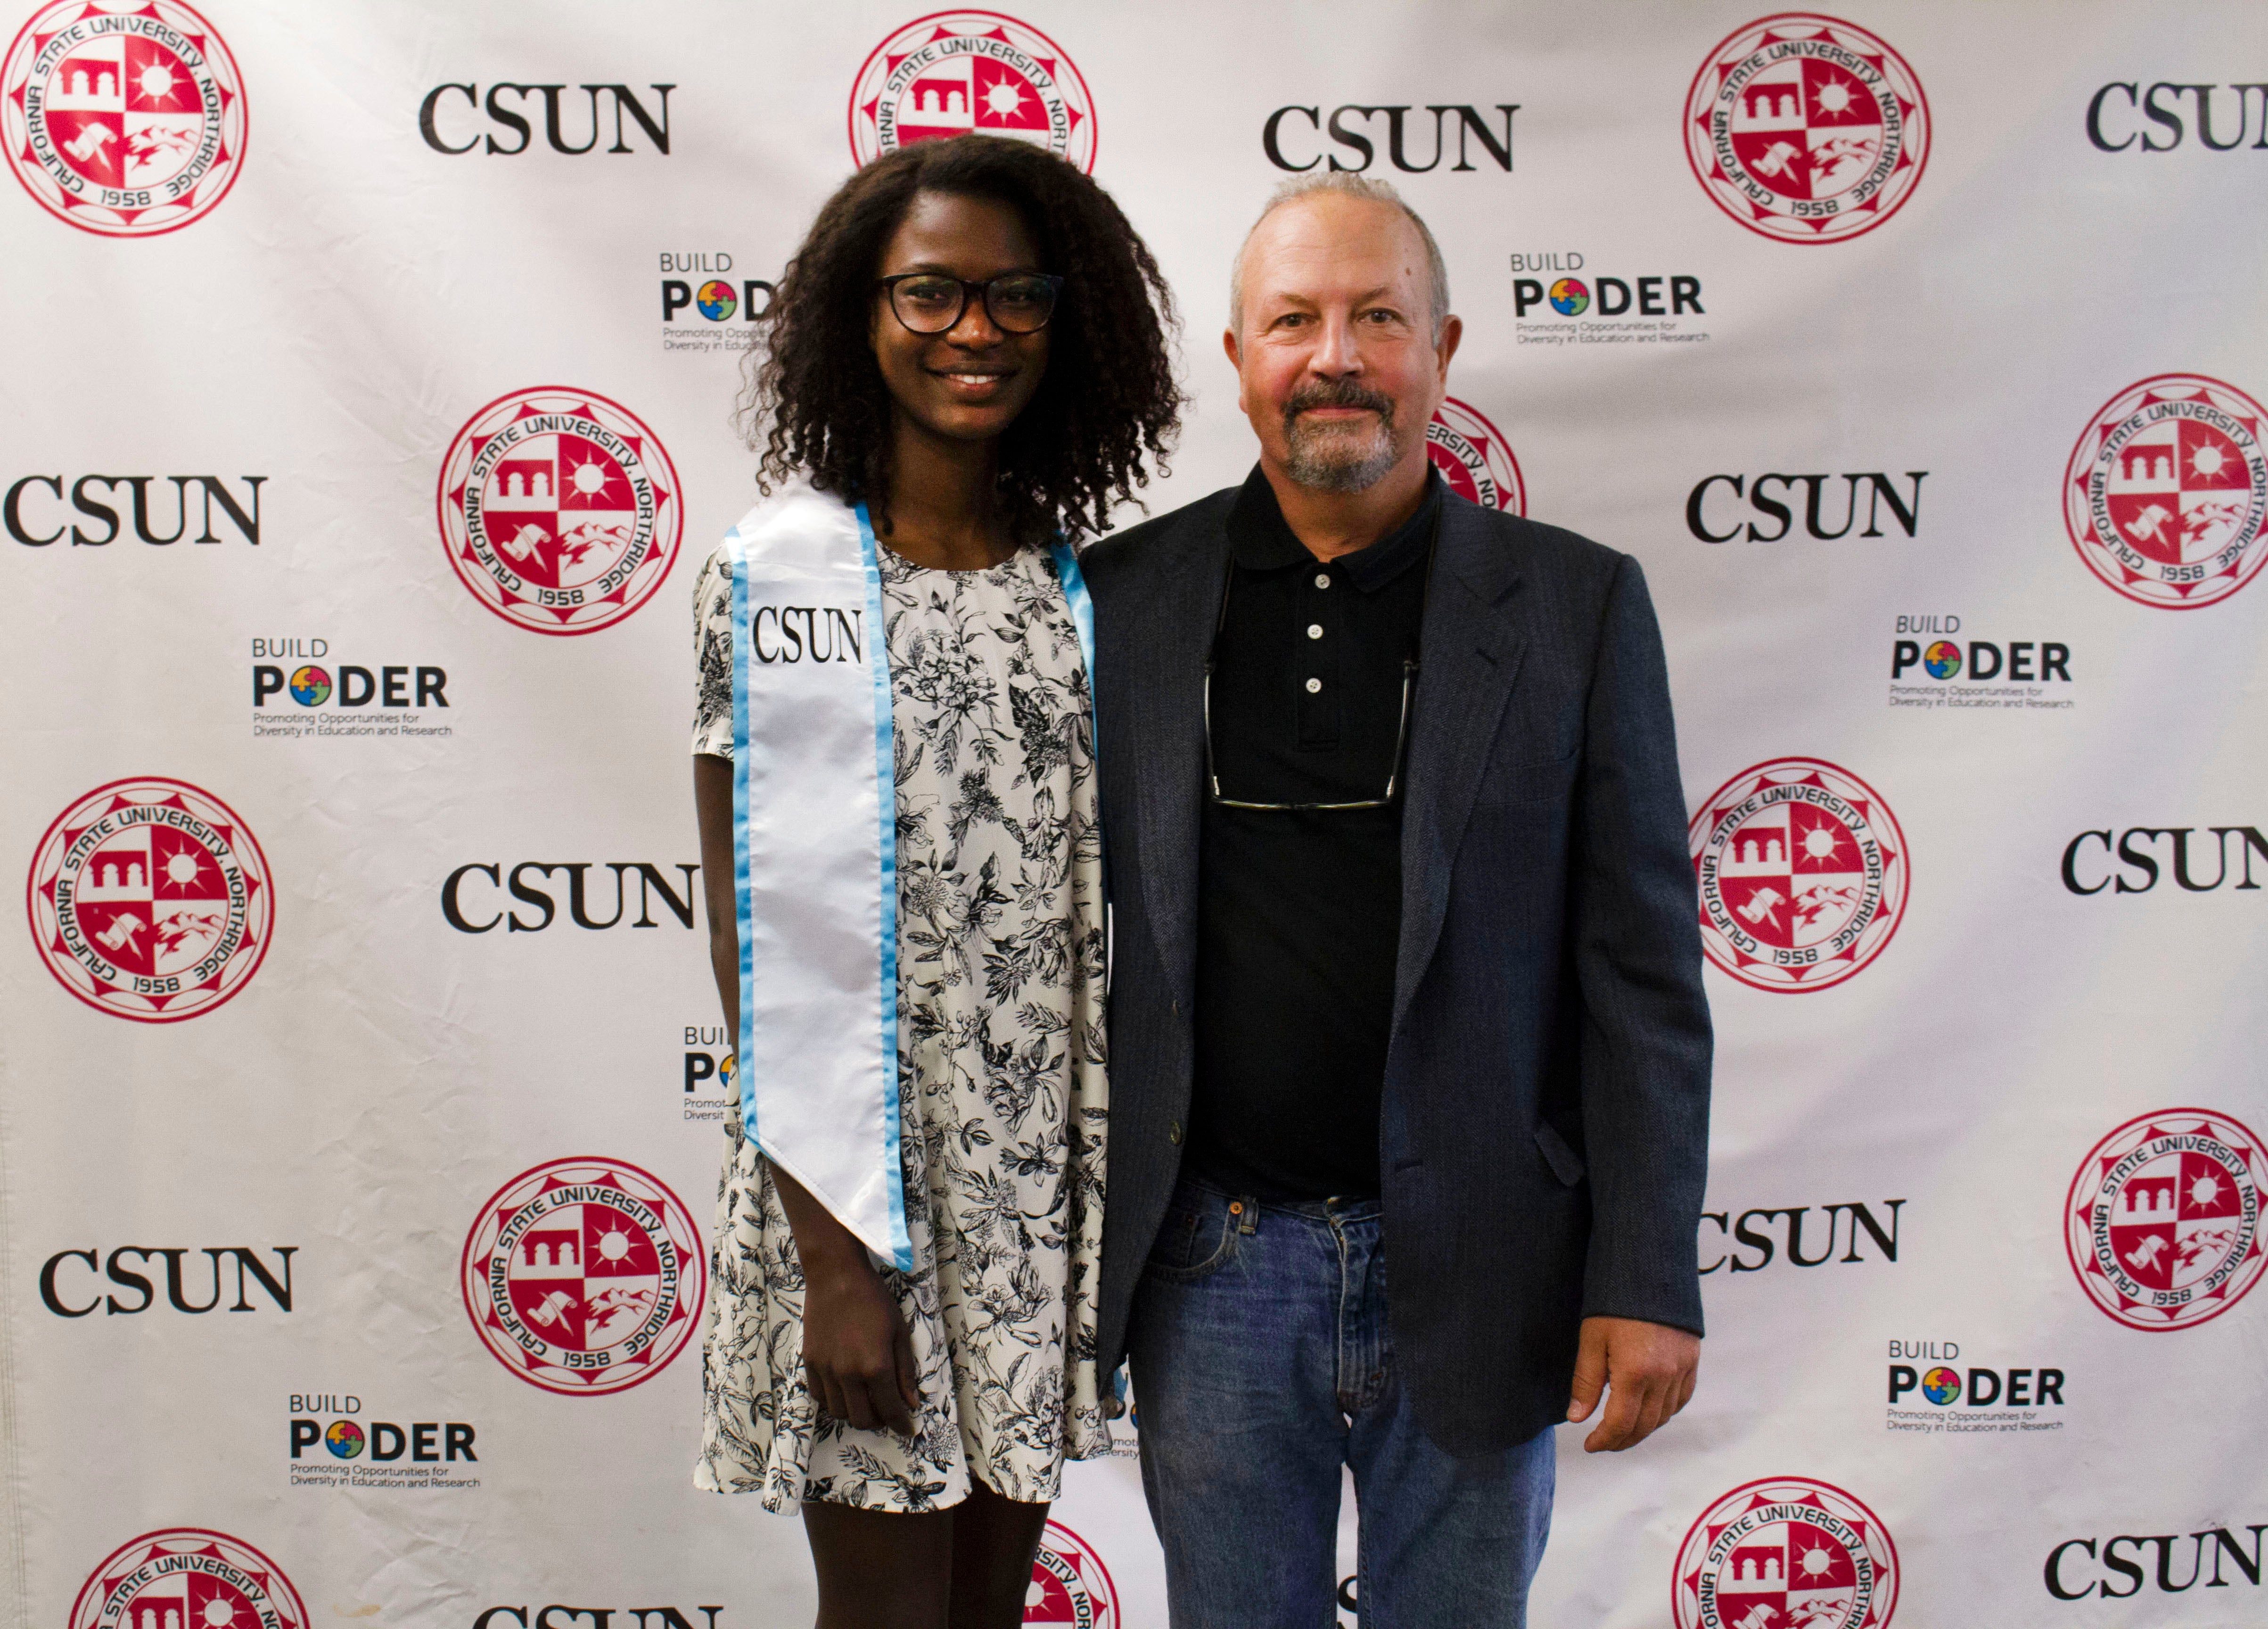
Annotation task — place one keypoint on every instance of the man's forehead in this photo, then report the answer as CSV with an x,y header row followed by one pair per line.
x,y
1338,242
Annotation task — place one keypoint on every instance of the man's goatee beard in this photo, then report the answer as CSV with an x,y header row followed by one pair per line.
x,y
1330,470
1319,459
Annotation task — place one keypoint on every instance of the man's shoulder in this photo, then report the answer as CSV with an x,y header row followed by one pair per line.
x,y
1138,547
1536,543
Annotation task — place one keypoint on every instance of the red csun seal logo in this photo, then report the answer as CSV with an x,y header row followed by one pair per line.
x,y
953,72
2163,1222
2166,492
1070,1585
584,1276
188,1578
559,510
151,900
1807,128
123,120
1786,1552
1474,458
1803,874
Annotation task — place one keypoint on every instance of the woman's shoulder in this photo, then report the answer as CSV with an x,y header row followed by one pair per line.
x,y
796,513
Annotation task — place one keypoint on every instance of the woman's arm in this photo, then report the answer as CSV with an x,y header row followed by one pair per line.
x,y
857,1356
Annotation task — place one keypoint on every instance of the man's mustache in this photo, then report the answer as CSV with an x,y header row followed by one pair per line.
x,y
1336,392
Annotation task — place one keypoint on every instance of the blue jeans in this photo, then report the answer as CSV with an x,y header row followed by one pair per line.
x,y
1262,1363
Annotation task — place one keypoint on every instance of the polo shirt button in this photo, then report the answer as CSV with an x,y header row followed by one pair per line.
x,y
1173,1133
1322,579
1314,685
1314,630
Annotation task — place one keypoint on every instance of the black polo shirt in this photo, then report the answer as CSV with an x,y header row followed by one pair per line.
x,y
1298,913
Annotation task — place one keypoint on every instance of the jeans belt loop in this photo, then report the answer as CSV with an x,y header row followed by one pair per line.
x,y
1247,1216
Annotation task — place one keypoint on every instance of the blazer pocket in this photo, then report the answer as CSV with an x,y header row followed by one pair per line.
x,y
1565,1163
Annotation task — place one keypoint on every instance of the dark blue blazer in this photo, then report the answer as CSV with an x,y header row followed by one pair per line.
x,y
1544,1139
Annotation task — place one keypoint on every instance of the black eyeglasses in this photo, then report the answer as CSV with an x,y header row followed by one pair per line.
x,y
1400,729
930,302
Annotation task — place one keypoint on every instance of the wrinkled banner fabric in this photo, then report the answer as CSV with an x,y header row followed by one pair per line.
x,y
363,1083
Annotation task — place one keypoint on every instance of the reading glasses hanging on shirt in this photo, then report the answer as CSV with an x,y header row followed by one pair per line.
x,y
1401,728
1393,774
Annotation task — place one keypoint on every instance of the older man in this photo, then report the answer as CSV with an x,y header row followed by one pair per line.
x,y
1409,1055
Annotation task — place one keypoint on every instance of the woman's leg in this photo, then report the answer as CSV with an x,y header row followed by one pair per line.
x,y
882,1569
968,1567
994,1540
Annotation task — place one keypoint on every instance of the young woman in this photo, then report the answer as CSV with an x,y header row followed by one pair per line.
x,y
967,367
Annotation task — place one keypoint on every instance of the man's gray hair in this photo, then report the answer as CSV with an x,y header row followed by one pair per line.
x,y
1346,185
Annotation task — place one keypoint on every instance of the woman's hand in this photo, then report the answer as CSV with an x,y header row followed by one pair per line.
x,y
857,1356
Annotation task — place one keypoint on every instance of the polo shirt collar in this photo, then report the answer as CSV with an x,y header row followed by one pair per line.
x,y
1261,539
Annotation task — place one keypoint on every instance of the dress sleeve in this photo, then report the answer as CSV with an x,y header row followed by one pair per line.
x,y
712,655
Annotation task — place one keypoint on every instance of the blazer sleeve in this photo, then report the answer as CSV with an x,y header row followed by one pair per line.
x,y
1645,1040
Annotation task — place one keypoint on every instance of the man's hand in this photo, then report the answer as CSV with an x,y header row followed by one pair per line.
x,y
1648,1370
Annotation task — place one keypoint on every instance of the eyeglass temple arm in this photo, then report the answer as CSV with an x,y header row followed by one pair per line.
x,y
1401,728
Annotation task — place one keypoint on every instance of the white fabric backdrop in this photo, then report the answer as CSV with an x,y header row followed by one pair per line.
x,y
357,297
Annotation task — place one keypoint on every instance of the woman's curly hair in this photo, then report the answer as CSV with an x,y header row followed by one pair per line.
x,y
815,403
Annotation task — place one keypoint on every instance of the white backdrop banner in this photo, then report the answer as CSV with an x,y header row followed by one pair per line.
x,y
369,377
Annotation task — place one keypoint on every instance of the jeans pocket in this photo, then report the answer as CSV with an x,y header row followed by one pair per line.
x,y
1192,1244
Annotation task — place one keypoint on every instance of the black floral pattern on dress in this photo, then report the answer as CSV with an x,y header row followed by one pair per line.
x,y
1004,1104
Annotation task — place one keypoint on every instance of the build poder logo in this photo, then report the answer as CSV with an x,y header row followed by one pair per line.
x,y
709,305
126,120
559,510
150,899
2166,492
709,1066
1786,1552
1930,1395
1807,128
333,1442
188,1578
952,72
1803,874
1474,458
1931,668
584,1275
2163,1222
1577,303
301,691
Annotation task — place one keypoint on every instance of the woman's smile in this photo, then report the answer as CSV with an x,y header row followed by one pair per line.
x,y
976,381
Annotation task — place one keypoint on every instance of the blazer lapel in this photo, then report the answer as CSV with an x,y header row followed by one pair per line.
x,y
1469,656
1167,716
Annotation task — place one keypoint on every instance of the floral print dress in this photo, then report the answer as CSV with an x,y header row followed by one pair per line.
x,y
1002,1089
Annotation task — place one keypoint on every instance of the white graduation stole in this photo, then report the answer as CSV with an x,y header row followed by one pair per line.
x,y
815,852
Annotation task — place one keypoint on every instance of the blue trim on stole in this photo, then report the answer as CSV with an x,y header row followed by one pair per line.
x,y
1073,582
743,921
886,803
1082,616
